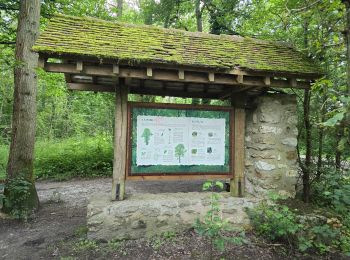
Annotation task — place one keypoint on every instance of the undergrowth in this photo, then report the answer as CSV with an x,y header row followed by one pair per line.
x,y
69,158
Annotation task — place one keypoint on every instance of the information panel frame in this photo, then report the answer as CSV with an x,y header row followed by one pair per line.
x,y
152,175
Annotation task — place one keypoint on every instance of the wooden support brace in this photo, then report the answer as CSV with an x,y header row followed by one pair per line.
x,y
41,62
115,69
267,81
240,79
211,77
149,72
79,66
181,74
293,82
120,141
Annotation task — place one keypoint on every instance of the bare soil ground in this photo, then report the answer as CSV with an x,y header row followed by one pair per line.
x,y
58,230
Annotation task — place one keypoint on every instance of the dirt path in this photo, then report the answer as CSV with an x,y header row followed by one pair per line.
x,y
63,211
57,230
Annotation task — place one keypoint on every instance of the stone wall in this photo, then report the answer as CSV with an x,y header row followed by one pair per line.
x,y
147,215
271,139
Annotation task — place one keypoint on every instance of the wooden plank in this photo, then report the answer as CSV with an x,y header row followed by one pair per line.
x,y
176,177
120,142
237,184
211,77
181,74
79,66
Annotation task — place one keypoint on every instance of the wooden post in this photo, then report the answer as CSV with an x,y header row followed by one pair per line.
x,y
120,141
237,183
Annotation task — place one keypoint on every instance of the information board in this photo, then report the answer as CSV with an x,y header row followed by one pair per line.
x,y
179,140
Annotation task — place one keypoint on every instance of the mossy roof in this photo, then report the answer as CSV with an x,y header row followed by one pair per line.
x,y
90,37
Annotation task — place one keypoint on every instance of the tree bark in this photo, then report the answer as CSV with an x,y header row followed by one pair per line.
x,y
321,137
308,143
199,15
120,8
20,162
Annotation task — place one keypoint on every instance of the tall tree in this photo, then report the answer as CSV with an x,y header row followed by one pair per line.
x,y
198,12
120,8
20,163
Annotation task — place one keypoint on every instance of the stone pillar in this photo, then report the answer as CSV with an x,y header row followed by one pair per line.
x,y
271,140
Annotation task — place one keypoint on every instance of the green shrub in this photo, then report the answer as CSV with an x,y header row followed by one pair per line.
x,y
275,222
16,197
332,190
278,223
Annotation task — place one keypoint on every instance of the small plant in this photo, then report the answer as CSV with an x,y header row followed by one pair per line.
x,y
16,197
217,229
81,231
114,244
85,245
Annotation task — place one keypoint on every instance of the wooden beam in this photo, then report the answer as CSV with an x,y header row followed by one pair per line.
x,y
79,66
149,72
171,75
172,93
267,81
141,91
234,71
211,77
177,177
237,90
120,140
181,74
237,183
90,87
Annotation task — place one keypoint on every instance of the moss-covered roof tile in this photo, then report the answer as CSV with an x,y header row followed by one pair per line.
x,y
85,36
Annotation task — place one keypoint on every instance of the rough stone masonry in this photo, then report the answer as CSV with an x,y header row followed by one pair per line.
x,y
271,165
271,140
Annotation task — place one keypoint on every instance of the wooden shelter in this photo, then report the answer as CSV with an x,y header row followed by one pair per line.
x,y
97,55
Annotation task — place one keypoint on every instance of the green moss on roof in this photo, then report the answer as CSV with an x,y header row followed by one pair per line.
x,y
85,36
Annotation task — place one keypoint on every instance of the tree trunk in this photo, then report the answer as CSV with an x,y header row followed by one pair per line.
x,y
320,138
120,8
20,163
308,143
338,151
199,16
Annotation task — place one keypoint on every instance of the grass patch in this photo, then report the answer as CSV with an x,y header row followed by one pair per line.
x,y
74,157
84,157
3,161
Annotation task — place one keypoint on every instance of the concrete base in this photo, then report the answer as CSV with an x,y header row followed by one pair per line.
x,y
147,215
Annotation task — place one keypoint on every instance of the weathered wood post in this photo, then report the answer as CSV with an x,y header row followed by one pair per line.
x,y
237,182
120,141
